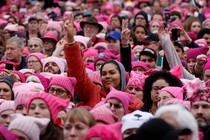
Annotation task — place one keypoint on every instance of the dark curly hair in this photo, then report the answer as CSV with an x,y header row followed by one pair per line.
x,y
153,77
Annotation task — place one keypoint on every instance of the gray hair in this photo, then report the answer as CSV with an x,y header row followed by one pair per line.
x,y
36,39
18,40
182,116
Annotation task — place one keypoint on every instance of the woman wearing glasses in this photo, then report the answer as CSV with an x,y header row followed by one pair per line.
x,y
34,62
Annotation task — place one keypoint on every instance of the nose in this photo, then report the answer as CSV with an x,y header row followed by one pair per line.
x,y
36,111
72,132
1,93
200,110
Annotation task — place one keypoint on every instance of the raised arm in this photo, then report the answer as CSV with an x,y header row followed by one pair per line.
x,y
84,87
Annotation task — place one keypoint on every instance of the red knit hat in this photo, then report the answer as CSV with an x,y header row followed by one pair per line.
x,y
66,82
55,104
106,132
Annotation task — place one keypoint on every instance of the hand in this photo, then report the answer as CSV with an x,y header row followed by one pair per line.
x,y
69,29
184,37
11,74
201,59
162,32
125,34
61,43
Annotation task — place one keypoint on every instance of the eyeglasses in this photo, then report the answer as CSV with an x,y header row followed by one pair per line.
x,y
57,91
32,61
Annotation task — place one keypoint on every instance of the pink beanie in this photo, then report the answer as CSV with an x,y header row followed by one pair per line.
x,y
105,132
82,39
137,79
141,64
89,52
44,81
6,105
54,24
201,42
175,24
31,126
25,71
55,104
176,92
50,35
205,22
61,63
104,114
140,47
207,65
101,45
192,53
123,97
22,93
11,27
6,134
20,75
39,56
153,21
95,77
66,82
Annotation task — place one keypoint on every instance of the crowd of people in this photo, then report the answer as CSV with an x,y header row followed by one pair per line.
x,y
105,70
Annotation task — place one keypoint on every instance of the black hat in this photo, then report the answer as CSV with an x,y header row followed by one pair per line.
x,y
91,20
151,37
158,129
32,18
149,52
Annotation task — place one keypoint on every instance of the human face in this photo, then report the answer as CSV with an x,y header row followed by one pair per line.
x,y
59,91
52,67
90,30
4,117
140,20
179,52
33,25
201,112
113,44
207,25
34,63
207,38
7,34
75,130
34,46
163,95
129,132
149,60
206,75
139,33
39,109
190,65
115,22
195,27
136,91
13,52
21,109
156,86
98,64
20,135
110,76
48,44
78,18
138,69
116,107
154,27
157,17
5,91
137,52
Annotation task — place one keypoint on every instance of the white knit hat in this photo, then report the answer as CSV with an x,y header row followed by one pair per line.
x,y
135,119
30,126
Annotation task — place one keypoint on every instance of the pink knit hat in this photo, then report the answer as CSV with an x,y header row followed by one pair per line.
x,y
59,61
192,53
55,104
54,24
123,97
50,35
201,42
11,27
95,77
105,132
31,126
136,79
6,105
82,39
44,81
22,93
20,75
6,134
207,65
66,82
101,45
26,71
141,64
89,52
39,56
205,22
176,92
175,24
104,114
